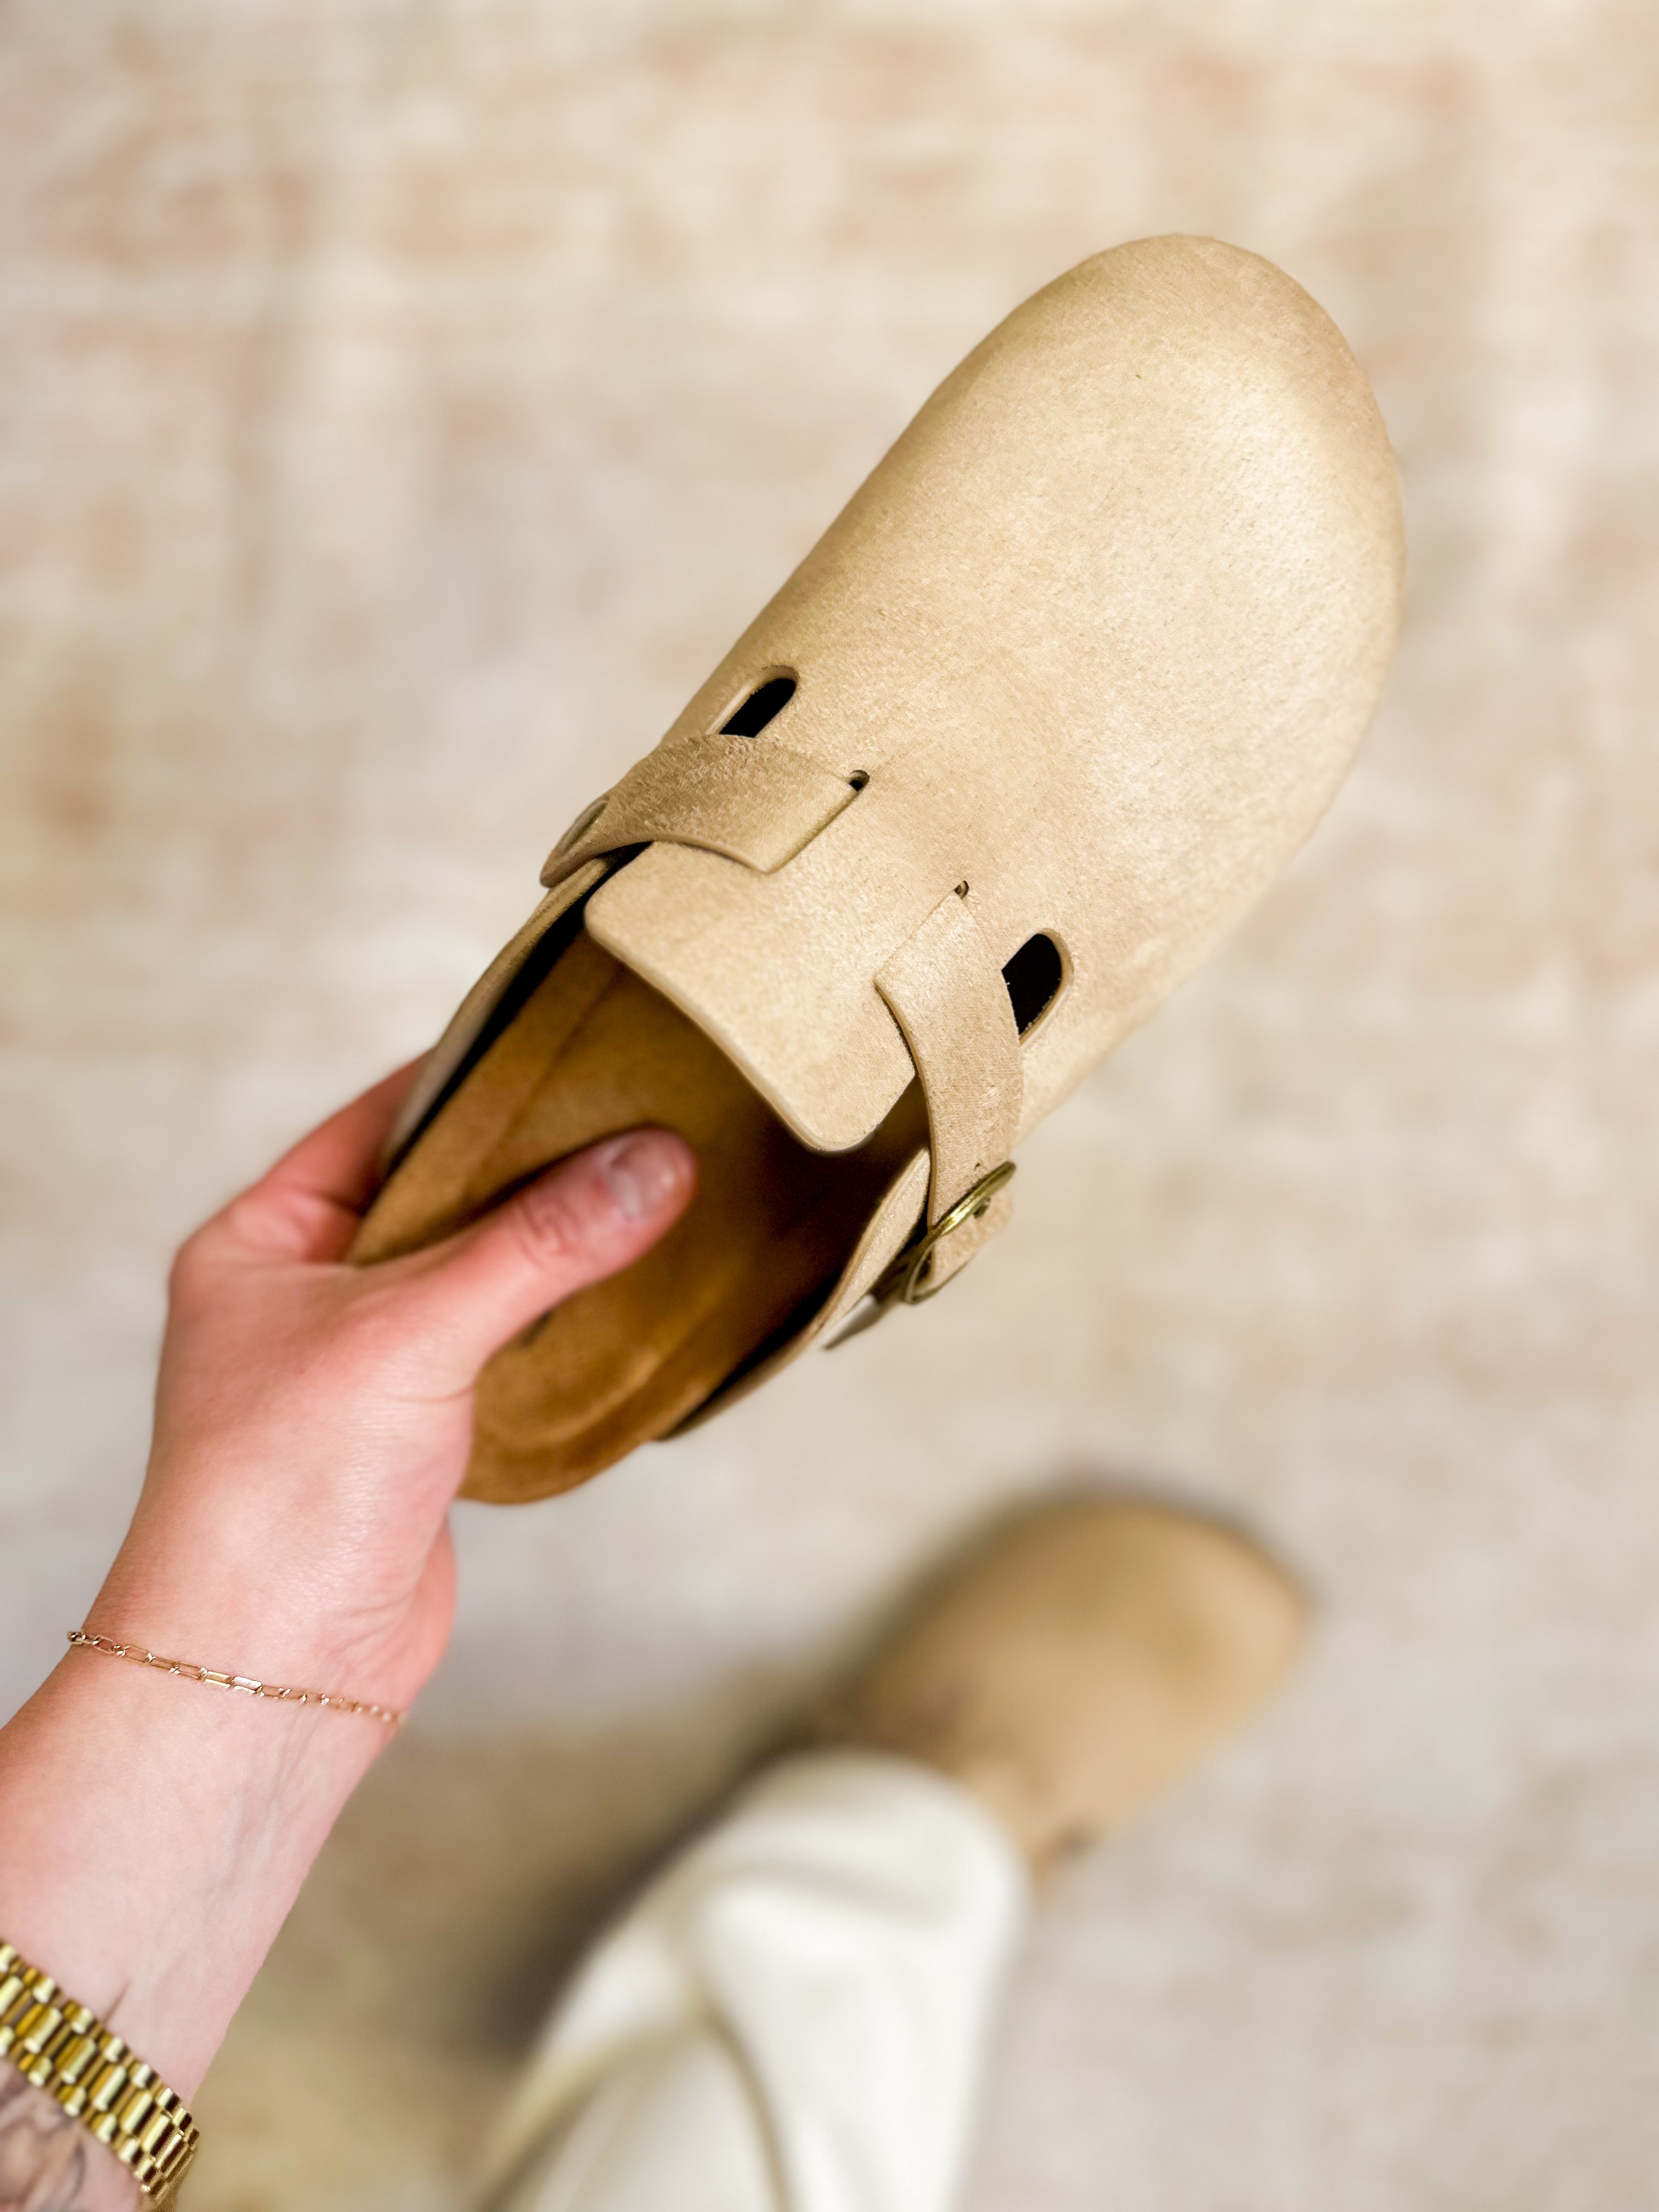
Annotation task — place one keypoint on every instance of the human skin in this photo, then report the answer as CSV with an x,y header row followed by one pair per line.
x,y
312,1424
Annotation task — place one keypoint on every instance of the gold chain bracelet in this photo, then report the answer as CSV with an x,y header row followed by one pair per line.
x,y
85,1641
64,2050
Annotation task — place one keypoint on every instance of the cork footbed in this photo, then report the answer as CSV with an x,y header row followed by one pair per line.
x,y
588,1051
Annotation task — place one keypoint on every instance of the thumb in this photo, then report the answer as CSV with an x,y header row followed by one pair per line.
x,y
587,1218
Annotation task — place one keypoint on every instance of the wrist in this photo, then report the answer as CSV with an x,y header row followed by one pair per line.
x,y
199,1600
223,1572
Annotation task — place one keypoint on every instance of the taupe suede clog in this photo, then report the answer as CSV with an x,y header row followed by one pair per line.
x,y
1075,1662
1075,672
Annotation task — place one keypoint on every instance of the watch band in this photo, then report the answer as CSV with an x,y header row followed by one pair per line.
x,y
64,2049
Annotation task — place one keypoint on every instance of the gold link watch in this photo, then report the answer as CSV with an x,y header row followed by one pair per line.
x,y
62,2048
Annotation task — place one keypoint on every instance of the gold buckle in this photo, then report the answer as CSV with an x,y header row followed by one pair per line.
x,y
903,1281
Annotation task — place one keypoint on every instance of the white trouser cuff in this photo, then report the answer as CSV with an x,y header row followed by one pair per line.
x,y
792,2018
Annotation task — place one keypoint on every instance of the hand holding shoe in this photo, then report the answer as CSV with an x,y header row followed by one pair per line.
x,y
314,1421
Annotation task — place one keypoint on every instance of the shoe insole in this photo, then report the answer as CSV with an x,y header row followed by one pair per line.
x,y
590,1051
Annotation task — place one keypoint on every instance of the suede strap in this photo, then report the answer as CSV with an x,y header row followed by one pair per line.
x,y
753,799
947,995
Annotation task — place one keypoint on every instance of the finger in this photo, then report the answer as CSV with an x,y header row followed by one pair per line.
x,y
308,1206
585,1219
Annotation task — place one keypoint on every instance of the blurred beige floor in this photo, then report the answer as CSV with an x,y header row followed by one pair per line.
x,y
405,401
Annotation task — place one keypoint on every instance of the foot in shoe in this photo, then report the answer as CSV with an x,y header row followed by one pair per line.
x,y
1076,1663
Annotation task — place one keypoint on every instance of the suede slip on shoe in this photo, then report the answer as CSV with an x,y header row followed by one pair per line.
x,y
1073,675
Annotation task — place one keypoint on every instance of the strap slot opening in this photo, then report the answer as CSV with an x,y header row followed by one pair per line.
x,y
763,705
1034,976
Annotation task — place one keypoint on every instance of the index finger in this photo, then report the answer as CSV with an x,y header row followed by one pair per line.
x,y
308,1206
339,1160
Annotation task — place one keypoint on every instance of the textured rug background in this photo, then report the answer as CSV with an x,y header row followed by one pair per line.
x,y
404,403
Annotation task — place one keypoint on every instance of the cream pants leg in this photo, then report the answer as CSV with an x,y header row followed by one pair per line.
x,y
793,2018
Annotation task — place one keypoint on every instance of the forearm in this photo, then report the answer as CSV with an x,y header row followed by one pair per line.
x,y
154,1833
48,2162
